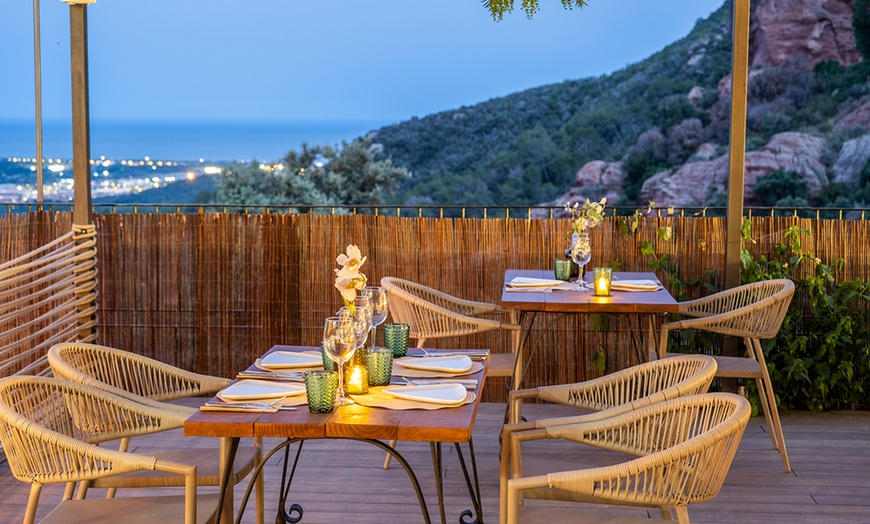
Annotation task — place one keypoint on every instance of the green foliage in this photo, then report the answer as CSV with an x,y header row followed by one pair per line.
x,y
499,8
526,147
861,25
319,175
818,361
778,185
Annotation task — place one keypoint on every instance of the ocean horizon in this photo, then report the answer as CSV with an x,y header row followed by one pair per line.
x,y
179,140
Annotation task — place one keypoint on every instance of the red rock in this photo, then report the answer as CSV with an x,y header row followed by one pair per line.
x,y
857,118
809,30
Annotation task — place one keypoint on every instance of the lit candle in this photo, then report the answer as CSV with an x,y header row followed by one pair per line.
x,y
358,380
601,281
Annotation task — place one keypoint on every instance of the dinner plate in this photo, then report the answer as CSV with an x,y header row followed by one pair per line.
x,y
278,360
251,389
533,282
451,364
450,394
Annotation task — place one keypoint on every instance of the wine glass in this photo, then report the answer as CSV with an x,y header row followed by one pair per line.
x,y
339,342
364,315
581,253
378,298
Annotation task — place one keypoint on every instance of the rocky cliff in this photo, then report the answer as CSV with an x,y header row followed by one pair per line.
x,y
789,38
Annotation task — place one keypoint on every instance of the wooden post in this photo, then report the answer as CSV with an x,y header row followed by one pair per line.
x,y
78,30
737,145
81,134
737,157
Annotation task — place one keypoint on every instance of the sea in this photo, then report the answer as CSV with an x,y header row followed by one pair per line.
x,y
183,140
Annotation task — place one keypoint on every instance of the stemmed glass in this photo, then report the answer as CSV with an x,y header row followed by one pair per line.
x,y
378,299
364,316
581,253
339,342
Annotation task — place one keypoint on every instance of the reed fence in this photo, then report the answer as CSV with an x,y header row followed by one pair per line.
x,y
212,291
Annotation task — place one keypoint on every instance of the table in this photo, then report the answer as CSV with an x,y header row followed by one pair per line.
x,y
354,422
648,303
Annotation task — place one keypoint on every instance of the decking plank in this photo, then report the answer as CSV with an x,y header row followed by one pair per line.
x,y
342,481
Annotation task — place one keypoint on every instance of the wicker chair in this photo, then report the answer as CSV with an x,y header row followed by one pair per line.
x,y
150,383
433,314
753,312
49,428
614,394
684,448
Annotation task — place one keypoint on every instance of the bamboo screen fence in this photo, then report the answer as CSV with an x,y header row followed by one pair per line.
x,y
211,292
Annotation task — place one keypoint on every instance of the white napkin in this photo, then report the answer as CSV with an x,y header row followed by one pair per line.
x,y
635,285
533,282
538,285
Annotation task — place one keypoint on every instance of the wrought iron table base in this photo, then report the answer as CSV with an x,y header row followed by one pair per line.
x,y
294,514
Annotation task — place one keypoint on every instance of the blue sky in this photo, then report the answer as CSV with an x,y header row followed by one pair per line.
x,y
385,60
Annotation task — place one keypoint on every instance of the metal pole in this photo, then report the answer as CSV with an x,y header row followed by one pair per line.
x,y
737,155
78,17
37,68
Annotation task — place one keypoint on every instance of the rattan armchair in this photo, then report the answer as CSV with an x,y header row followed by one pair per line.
x,y
150,383
614,394
48,428
753,312
684,448
433,314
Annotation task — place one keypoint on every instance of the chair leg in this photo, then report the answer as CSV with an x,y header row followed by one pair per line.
x,y
666,512
682,514
387,460
774,423
32,503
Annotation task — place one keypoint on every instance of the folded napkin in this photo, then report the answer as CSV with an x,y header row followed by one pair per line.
x,y
635,285
533,282
538,285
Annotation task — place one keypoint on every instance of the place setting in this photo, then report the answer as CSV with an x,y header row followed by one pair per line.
x,y
259,396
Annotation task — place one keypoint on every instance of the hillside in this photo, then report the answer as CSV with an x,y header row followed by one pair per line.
x,y
628,134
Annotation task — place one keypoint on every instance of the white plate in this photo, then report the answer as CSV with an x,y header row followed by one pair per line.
x,y
250,389
533,282
451,364
450,394
278,360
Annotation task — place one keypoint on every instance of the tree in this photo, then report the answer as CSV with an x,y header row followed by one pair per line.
x,y
499,8
319,175
861,26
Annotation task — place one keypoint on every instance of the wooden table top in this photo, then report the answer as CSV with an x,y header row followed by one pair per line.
x,y
585,301
354,421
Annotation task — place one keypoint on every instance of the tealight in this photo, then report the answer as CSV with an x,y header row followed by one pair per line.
x,y
357,380
601,281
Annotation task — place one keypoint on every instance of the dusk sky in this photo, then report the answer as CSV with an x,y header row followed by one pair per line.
x,y
386,60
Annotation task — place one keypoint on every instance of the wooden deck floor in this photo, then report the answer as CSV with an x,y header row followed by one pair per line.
x,y
342,481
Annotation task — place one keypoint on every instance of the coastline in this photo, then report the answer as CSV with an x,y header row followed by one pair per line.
x,y
182,140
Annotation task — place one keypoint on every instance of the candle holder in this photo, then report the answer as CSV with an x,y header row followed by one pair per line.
x,y
601,277
562,268
379,362
357,380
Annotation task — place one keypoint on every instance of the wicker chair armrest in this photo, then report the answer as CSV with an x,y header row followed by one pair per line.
x,y
125,374
515,402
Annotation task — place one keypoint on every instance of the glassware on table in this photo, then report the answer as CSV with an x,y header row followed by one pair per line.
x,y
328,364
396,338
581,253
339,342
320,390
379,362
378,299
562,268
601,277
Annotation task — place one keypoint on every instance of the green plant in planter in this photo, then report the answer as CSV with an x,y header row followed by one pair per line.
x,y
819,359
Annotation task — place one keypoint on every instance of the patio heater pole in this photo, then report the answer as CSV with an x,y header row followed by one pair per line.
x,y
737,156
78,35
